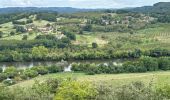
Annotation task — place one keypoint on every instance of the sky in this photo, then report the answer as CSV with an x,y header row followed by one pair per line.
x,y
79,3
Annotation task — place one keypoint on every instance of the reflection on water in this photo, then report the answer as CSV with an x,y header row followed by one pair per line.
x,y
66,64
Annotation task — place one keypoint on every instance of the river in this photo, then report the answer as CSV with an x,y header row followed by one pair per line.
x,y
66,64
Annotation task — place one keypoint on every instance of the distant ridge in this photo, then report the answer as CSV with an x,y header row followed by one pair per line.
x,y
161,7
43,9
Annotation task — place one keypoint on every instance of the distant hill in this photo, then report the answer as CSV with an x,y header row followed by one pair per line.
x,y
43,9
161,7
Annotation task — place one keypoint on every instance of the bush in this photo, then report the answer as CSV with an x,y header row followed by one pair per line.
x,y
74,90
9,82
25,37
164,90
79,67
150,63
94,45
12,33
3,76
28,73
134,67
11,72
135,91
164,63
91,69
1,70
55,69
41,70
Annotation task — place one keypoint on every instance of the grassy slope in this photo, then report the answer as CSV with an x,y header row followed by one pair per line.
x,y
115,79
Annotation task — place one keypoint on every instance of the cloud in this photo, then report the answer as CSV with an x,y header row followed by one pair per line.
x,y
78,3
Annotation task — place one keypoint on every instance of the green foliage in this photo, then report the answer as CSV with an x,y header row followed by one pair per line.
x,y
39,52
164,63
164,90
1,34
20,29
88,28
40,69
28,73
25,37
3,76
11,72
12,33
9,82
74,90
55,69
70,35
94,45
18,22
1,69
150,63
46,16
136,91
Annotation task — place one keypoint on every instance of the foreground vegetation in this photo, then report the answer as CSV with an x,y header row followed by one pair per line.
x,y
68,88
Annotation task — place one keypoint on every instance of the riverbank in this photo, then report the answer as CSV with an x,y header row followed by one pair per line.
x,y
159,77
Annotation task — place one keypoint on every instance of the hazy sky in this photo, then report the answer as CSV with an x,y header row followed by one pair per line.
x,y
78,3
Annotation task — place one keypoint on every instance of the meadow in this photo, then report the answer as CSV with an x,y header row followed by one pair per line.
x,y
155,78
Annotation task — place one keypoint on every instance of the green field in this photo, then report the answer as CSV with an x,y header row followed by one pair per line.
x,y
114,79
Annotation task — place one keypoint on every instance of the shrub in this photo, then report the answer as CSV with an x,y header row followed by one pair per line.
x,y
91,69
41,70
9,82
75,67
134,67
150,63
1,70
164,90
3,76
25,37
11,72
30,73
74,90
164,63
12,33
94,45
135,91
55,69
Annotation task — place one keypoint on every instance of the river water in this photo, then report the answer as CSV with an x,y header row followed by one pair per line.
x,y
66,64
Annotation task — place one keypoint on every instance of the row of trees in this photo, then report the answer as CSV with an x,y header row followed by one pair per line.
x,y
52,51
144,64
22,22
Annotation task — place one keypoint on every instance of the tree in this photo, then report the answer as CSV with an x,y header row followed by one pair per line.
x,y
94,45
1,34
12,33
74,90
88,28
25,37
29,21
20,29
81,32
41,70
39,52
11,72
164,63
150,63
28,73
16,56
